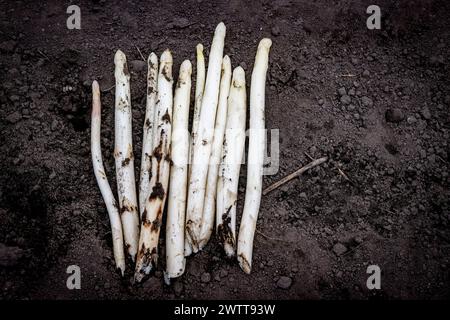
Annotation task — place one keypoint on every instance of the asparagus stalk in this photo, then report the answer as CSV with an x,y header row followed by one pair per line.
x,y
152,215
199,87
209,205
232,153
175,260
102,181
203,140
255,157
123,154
147,141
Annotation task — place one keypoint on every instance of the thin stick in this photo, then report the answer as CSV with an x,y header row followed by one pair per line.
x,y
142,56
295,174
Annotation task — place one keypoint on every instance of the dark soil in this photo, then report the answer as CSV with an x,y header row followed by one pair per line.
x,y
375,101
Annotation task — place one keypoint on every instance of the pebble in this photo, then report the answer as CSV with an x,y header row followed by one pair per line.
x,y
9,256
206,277
345,99
366,73
339,249
275,31
138,65
8,46
54,125
411,120
14,117
394,115
284,282
426,114
366,101
223,273
342,91
178,288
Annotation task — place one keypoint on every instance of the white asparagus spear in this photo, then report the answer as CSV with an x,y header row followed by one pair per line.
x,y
209,206
152,215
176,210
203,140
147,140
102,180
124,158
232,153
255,156
199,87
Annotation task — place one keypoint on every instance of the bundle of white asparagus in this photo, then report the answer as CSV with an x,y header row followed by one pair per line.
x,y
202,167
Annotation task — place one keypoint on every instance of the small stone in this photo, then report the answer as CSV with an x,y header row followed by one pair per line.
x,y
411,120
426,114
366,73
394,115
275,31
52,175
355,61
178,288
138,65
54,125
342,91
320,102
8,46
284,282
223,273
345,99
14,117
366,101
339,249
180,23
206,277
9,256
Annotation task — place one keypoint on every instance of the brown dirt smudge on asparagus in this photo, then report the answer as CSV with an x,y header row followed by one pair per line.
x,y
157,192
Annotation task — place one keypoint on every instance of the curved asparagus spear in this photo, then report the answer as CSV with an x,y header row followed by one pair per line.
x,y
232,153
255,157
209,205
175,260
203,140
102,181
152,215
147,140
124,158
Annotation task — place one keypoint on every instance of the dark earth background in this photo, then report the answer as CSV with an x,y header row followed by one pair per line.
x,y
375,101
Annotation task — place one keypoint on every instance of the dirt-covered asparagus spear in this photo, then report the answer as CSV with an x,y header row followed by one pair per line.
x,y
256,149
209,206
203,140
176,210
152,215
232,153
147,140
124,158
102,180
